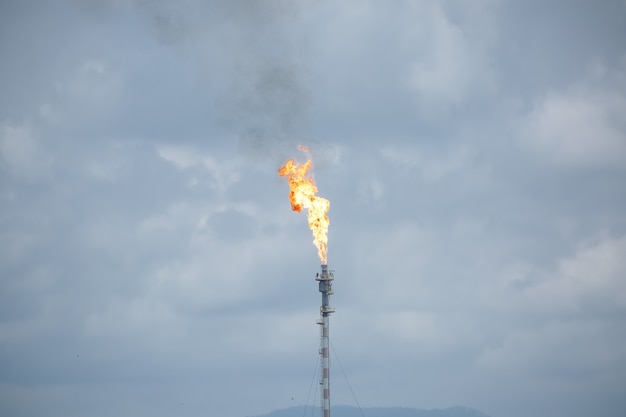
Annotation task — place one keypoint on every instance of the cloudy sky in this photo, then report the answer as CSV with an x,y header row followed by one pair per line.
x,y
474,154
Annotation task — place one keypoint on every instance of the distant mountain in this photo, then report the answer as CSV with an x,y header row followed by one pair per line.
x,y
347,411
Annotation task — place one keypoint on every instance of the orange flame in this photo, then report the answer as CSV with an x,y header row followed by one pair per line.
x,y
302,192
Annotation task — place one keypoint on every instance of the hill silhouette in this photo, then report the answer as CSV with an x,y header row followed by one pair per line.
x,y
348,411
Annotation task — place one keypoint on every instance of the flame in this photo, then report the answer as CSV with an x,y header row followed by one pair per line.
x,y
302,192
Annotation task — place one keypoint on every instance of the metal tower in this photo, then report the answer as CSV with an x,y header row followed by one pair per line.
x,y
325,279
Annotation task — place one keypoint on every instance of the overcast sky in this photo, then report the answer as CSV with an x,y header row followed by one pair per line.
x,y
474,153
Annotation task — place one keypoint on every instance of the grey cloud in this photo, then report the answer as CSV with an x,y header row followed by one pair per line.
x,y
154,259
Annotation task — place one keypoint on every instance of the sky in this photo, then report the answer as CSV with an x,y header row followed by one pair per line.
x,y
474,156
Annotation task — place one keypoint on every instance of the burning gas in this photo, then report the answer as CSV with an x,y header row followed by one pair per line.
x,y
302,192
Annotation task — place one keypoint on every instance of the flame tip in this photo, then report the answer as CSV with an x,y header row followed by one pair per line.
x,y
302,194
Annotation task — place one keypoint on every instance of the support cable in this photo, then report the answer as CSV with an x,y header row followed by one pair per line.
x,y
347,380
308,396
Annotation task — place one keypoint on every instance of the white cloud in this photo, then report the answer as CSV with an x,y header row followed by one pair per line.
x,y
591,280
21,152
556,350
50,114
371,190
181,157
583,125
566,322
217,274
450,60
89,91
94,83
431,164
405,157
222,174
112,163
